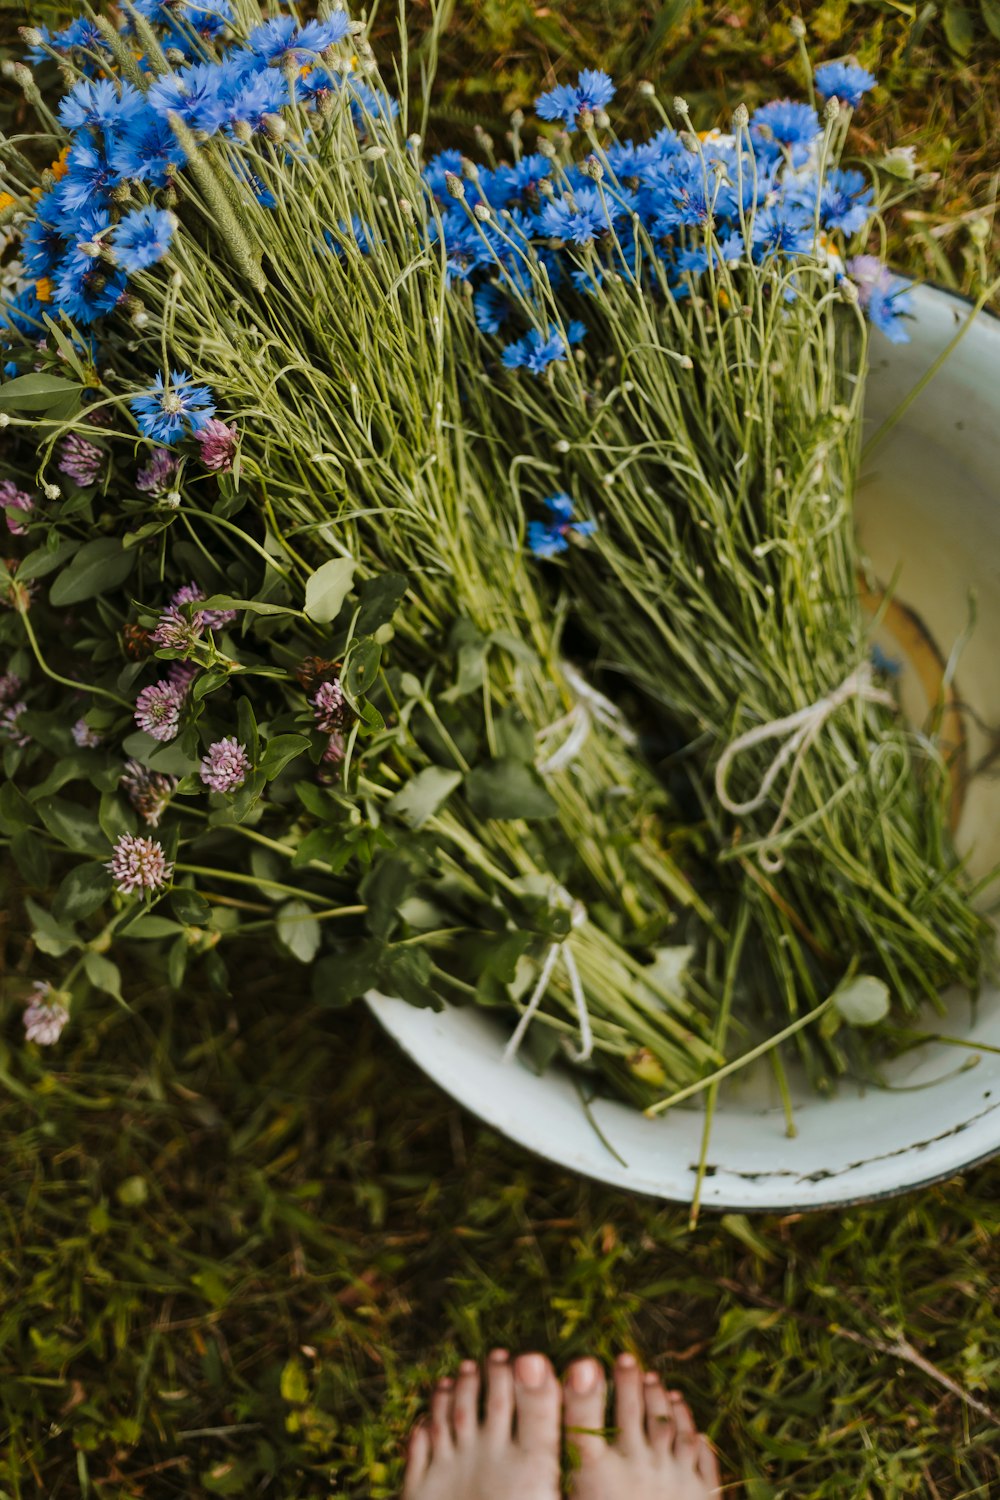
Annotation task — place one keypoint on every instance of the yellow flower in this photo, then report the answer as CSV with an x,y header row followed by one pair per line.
x,y
6,201
43,289
59,167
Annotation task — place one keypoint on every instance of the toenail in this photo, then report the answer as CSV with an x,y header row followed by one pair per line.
x,y
499,1356
468,1367
651,1378
531,1370
626,1361
583,1376
445,1383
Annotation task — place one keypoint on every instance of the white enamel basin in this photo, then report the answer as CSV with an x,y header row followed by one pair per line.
x,y
929,502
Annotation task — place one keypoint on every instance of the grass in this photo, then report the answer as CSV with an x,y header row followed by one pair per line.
x,y
239,1236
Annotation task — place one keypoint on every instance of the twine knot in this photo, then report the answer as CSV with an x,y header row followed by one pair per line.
x,y
559,948
590,708
801,729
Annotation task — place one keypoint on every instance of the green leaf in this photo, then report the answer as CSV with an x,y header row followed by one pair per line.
x,y
51,936
383,890
361,666
37,392
177,959
342,977
99,567
75,826
215,677
405,975
46,560
103,974
15,809
294,1382
83,890
863,1002
189,906
515,737
299,930
246,729
279,751
991,15
149,926
254,606
380,597
958,28
421,797
30,857
507,788
327,588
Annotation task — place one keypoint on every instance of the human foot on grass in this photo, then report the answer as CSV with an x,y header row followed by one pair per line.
x,y
656,1453
511,1453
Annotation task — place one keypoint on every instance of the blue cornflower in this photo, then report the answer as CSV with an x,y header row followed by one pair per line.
x,y
445,164
784,123
104,103
520,180
593,91
579,217
86,289
549,538
782,230
87,185
80,33
490,307
885,301
147,150
846,81
535,351
167,410
366,104
356,231
263,94
194,93
846,201
143,237
42,245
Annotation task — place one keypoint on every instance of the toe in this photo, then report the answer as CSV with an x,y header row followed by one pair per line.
x,y
418,1457
442,1438
499,1396
629,1405
707,1466
584,1400
686,1433
538,1398
465,1413
659,1418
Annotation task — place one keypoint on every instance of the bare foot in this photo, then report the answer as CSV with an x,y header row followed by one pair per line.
x,y
511,1454
657,1452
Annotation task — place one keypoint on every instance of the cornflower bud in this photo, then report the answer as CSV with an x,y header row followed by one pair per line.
x,y
646,89
681,107
243,131
848,292
517,118
454,185
274,127
690,142
831,110
741,117
481,212
592,167
585,119
30,36
406,209
797,27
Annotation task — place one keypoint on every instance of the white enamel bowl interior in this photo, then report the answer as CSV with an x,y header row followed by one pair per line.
x,y
927,503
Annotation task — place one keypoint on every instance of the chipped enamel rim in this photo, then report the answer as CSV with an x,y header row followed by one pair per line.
x,y
860,1144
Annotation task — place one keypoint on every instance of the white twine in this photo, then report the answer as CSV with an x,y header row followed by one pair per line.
x,y
801,728
560,948
590,708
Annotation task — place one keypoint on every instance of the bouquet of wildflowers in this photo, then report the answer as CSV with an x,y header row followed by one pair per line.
x,y
302,509
245,472
677,330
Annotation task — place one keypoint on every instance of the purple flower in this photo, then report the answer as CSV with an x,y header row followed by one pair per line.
x,y
226,765
158,710
148,791
139,864
44,1018
883,298
10,686
9,727
81,460
84,736
218,445
156,477
176,631
330,706
190,593
181,674
844,81
335,749
13,499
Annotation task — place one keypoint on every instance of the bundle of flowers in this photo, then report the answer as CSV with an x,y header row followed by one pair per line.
x,y
300,518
